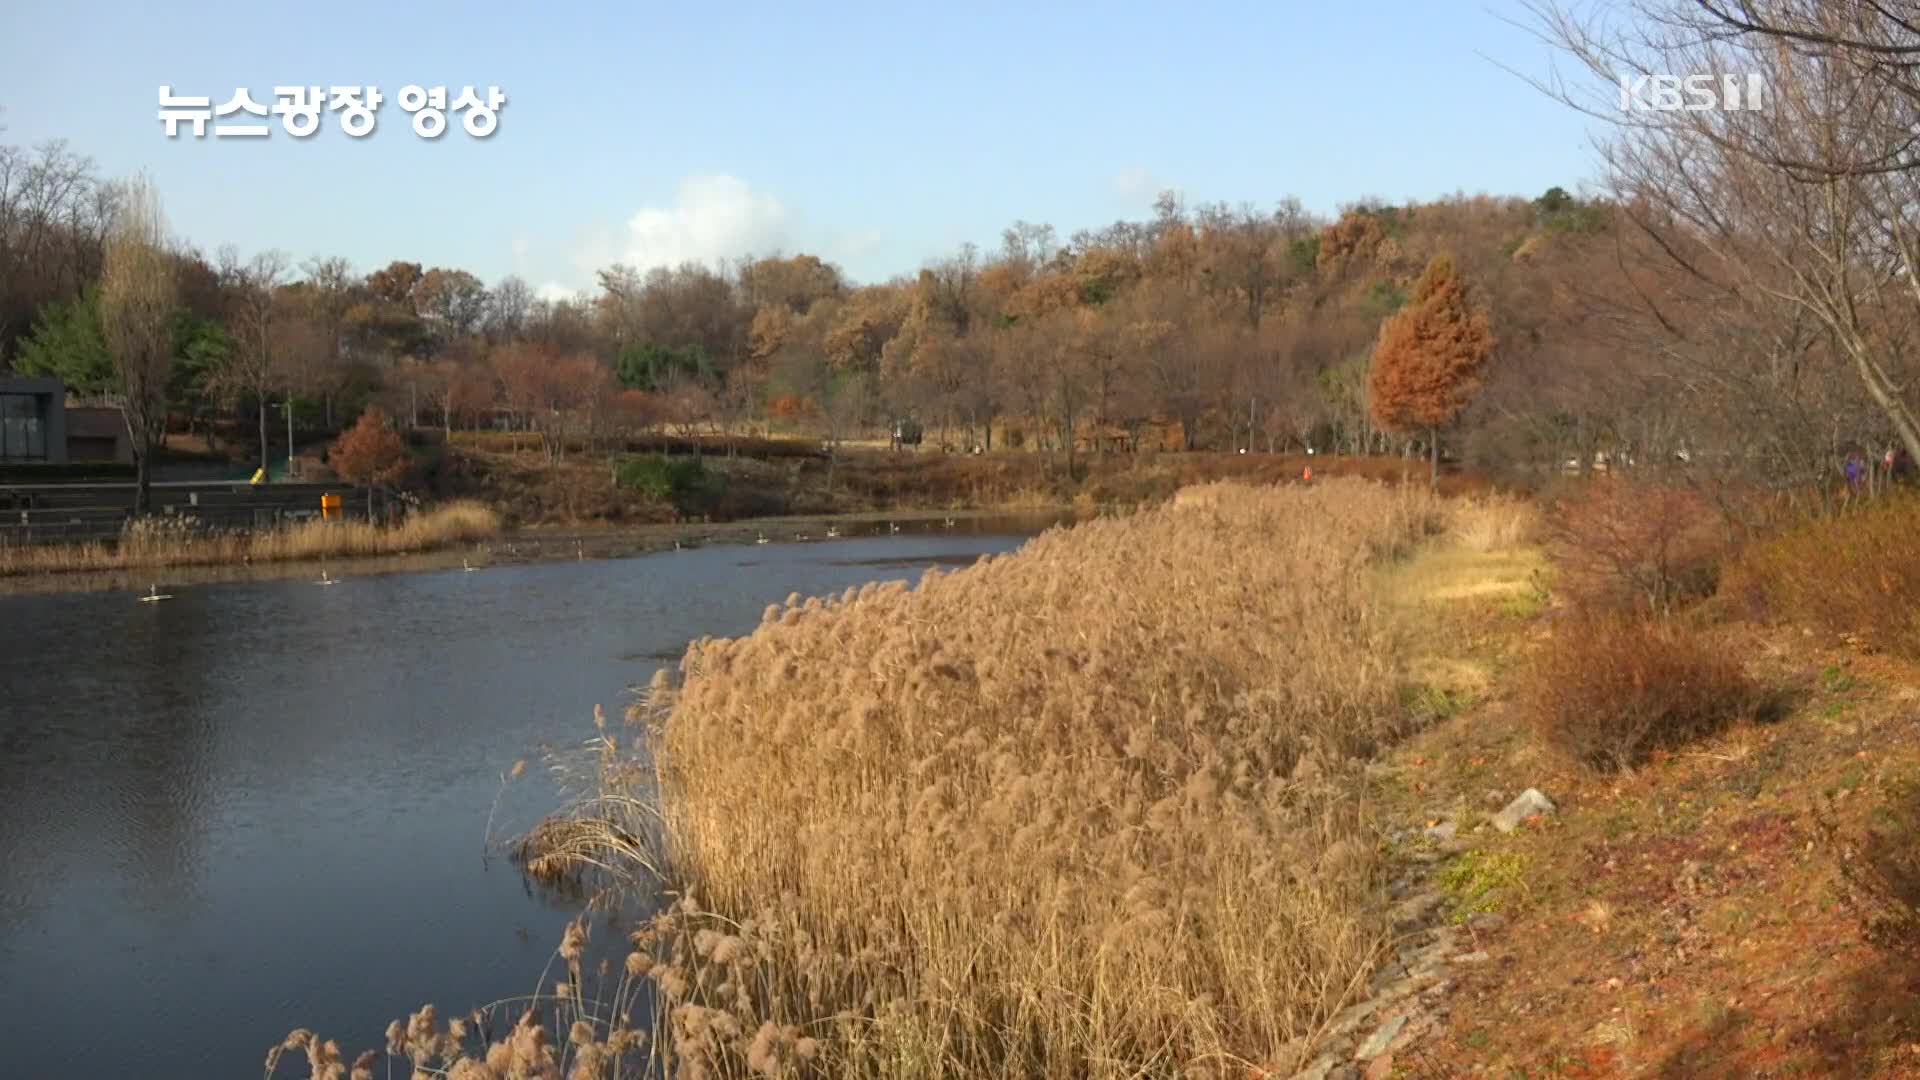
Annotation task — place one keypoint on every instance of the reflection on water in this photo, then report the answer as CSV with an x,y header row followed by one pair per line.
x,y
260,805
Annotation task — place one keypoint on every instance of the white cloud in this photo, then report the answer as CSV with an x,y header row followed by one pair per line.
x,y
857,244
711,218
1136,184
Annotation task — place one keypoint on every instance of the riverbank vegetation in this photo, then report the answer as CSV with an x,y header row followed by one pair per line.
x,y
154,543
1037,818
648,486
1081,827
1093,807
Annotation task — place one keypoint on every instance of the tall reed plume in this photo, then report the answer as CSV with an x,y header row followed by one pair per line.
x,y
1089,809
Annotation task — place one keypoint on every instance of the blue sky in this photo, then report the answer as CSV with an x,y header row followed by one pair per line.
x,y
877,135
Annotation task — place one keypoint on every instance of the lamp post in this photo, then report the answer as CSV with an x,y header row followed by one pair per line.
x,y
287,407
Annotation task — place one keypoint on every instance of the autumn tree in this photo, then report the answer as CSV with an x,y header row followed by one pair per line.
x,y
1431,357
370,452
137,296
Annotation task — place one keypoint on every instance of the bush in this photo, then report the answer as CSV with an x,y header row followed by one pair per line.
x,y
1858,574
1608,690
681,482
370,452
1627,545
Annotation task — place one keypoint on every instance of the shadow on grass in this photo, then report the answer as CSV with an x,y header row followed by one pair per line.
x,y
1869,1030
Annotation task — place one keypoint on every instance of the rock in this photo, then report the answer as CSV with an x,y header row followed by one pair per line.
x,y
1494,798
1382,1036
1351,1019
1486,922
1381,1069
1416,908
1478,956
1321,1066
1527,804
1419,1025
1442,832
1386,977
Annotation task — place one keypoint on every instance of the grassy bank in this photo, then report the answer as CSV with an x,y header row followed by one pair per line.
x,y
1216,789
153,543
1092,808
531,490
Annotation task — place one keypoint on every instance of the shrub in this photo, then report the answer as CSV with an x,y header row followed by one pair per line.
x,y
1609,689
370,452
1635,545
682,482
1857,574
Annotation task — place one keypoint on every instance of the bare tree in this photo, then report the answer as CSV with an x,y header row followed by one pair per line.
x,y
1804,205
137,295
251,368
507,306
329,289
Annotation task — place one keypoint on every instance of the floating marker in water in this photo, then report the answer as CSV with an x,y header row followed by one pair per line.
x,y
154,593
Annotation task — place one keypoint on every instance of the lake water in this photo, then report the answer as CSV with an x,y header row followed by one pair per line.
x,y
261,805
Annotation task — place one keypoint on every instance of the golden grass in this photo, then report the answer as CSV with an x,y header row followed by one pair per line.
x,y
1088,809
155,542
1493,522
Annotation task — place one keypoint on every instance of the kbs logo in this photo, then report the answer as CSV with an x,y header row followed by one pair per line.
x,y
1692,93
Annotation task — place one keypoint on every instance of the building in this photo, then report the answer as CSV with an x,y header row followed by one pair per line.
x,y
38,427
33,420
98,433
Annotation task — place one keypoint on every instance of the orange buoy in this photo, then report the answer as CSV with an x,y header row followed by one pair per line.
x,y
1306,474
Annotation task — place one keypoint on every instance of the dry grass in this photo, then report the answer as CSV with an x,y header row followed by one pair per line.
x,y
1493,522
156,543
1085,810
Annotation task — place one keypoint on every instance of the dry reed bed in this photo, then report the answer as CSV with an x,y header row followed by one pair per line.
x,y
152,543
1089,809
1084,809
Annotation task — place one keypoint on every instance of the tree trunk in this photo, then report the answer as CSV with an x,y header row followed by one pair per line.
x,y
1433,457
142,480
263,432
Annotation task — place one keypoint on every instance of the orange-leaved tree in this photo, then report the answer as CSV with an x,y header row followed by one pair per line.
x,y
370,452
1430,358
